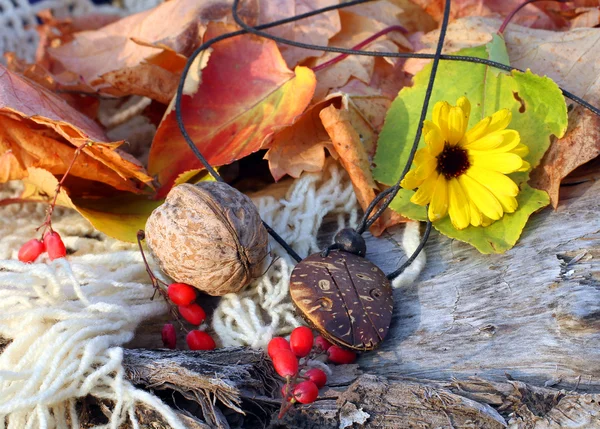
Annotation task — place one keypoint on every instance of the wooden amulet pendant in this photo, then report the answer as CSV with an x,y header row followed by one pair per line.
x,y
345,297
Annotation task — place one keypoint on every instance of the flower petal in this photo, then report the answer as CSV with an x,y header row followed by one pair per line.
x,y
465,105
423,195
525,167
433,138
500,120
456,125
486,142
502,162
426,168
410,181
486,221
438,206
509,204
481,196
496,182
521,150
475,133
440,117
458,205
475,214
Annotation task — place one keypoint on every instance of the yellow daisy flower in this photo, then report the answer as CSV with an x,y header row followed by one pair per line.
x,y
463,173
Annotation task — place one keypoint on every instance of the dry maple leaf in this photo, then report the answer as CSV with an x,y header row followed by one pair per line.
x,y
316,30
301,146
586,17
40,129
532,15
124,57
570,58
355,29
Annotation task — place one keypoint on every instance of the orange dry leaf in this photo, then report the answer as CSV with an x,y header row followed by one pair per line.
x,y
156,78
354,158
356,28
108,58
532,15
316,30
245,94
301,146
39,129
55,31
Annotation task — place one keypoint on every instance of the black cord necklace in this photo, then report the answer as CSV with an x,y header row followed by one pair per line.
x,y
348,299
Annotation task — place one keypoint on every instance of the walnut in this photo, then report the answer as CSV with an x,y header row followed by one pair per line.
x,y
209,236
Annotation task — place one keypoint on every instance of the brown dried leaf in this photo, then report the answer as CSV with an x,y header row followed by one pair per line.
x,y
354,158
580,144
301,146
532,15
123,58
39,129
315,30
358,24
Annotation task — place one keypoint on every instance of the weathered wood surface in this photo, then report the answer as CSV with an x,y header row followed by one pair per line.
x,y
214,384
533,312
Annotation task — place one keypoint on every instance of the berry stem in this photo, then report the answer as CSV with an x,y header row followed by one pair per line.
x,y
153,279
47,225
510,16
141,235
359,46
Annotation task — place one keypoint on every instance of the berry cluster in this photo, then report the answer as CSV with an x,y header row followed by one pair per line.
x,y
184,297
51,243
181,298
290,361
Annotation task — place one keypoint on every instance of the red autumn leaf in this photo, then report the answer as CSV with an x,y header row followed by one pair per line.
x,y
246,93
39,129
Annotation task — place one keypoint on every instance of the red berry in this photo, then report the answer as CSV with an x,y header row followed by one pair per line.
x,y
340,356
277,343
285,363
54,245
200,340
169,336
306,392
31,250
181,294
322,343
317,376
193,313
301,341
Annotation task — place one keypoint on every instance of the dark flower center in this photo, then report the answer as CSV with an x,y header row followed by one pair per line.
x,y
452,161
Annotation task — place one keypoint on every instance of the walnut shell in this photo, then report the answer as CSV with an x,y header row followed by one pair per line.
x,y
209,236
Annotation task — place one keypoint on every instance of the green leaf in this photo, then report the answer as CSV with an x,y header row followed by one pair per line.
x,y
538,109
118,217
